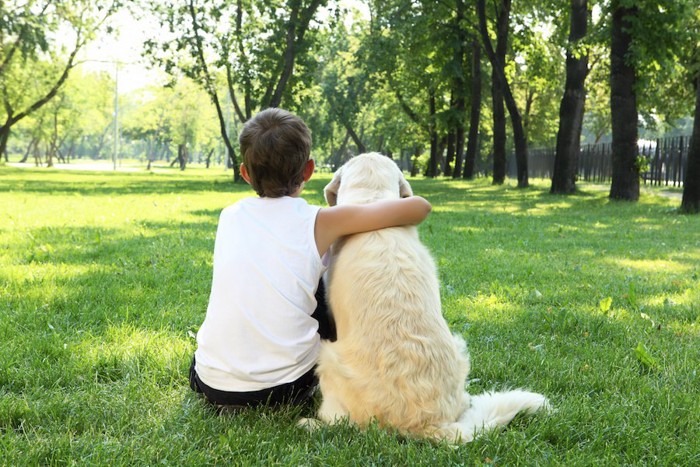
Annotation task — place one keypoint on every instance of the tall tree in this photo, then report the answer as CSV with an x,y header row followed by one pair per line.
x,y
344,82
253,45
474,112
647,36
623,104
573,102
460,46
81,111
409,52
691,186
498,110
32,38
498,69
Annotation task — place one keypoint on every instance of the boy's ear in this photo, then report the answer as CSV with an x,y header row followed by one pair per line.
x,y
244,174
331,190
309,169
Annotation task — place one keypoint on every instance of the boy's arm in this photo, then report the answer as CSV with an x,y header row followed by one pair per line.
x,y
337,221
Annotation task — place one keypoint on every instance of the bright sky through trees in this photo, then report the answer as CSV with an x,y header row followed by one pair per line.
x,y
125,45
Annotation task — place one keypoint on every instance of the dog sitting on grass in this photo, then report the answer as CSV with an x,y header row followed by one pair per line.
x,y
395,360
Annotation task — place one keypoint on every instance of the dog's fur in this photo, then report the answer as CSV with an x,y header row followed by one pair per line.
x,y
395,360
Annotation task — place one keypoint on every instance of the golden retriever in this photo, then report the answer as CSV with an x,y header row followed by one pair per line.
x,y
395,360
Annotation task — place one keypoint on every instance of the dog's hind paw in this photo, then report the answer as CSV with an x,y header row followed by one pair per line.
x,y
310,424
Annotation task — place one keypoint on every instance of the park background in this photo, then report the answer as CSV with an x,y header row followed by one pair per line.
x,y
446,88
578,281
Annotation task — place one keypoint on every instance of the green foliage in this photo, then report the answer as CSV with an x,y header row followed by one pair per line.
x,y
79,115
104,280
49,36
538,82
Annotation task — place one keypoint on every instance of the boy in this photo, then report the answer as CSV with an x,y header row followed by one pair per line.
x,y
259,342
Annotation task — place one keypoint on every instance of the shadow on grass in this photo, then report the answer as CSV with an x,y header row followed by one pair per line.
x,y
523,275
45,181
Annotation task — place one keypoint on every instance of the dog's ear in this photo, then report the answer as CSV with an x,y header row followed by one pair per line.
x,y
404,188
331,190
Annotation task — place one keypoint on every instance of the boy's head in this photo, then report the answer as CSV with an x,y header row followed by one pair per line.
x,y
275,148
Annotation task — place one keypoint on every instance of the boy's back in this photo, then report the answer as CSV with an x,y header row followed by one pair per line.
x,y
259,330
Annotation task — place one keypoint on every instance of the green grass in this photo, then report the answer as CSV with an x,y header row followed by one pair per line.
x,y
104,280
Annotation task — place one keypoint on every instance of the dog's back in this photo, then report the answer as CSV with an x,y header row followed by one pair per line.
x,y
404,367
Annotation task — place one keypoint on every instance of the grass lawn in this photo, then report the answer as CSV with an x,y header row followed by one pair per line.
x,y
104,280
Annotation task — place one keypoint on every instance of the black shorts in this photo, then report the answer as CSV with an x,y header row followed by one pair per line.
x,y
295,393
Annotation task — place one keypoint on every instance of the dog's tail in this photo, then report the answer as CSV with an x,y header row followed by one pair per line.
x,y
491,410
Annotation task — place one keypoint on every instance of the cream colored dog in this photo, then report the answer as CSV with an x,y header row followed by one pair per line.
x,y
395,359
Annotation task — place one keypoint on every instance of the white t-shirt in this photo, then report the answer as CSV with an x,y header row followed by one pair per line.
x,y
258,331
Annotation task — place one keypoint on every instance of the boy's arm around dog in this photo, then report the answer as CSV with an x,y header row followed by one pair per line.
x,y
337,221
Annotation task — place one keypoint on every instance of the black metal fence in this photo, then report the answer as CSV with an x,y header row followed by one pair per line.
x,y
663,161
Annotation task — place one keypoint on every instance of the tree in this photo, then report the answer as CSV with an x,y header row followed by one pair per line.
x,y
623,105
177,115
497,60
32,50
474,112
458,91
691,186
537,80
344,82
82,109
647,36
572,103
252,45
401,55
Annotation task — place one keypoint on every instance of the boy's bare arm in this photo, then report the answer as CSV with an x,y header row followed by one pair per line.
x,y
338,221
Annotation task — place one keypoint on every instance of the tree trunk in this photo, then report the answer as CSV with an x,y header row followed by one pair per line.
x,y
37,155
34,141
623,108
4,136
182,156
450,156
499,114
572,105
475,112
296,30
355,138
497,59
431,170
208,158
459,89
149,153
459,151
691,185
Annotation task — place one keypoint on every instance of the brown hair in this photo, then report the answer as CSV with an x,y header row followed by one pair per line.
x,y
275,146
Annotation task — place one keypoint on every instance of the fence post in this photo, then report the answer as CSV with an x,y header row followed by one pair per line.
x,y
679,158
656,171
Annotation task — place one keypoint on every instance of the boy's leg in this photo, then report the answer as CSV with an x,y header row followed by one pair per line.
x,y
326,324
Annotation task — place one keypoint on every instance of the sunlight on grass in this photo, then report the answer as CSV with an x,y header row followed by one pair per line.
x,y
104,281
124,351
649,265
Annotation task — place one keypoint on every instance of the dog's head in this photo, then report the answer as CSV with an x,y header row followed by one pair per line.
x,y
366,178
